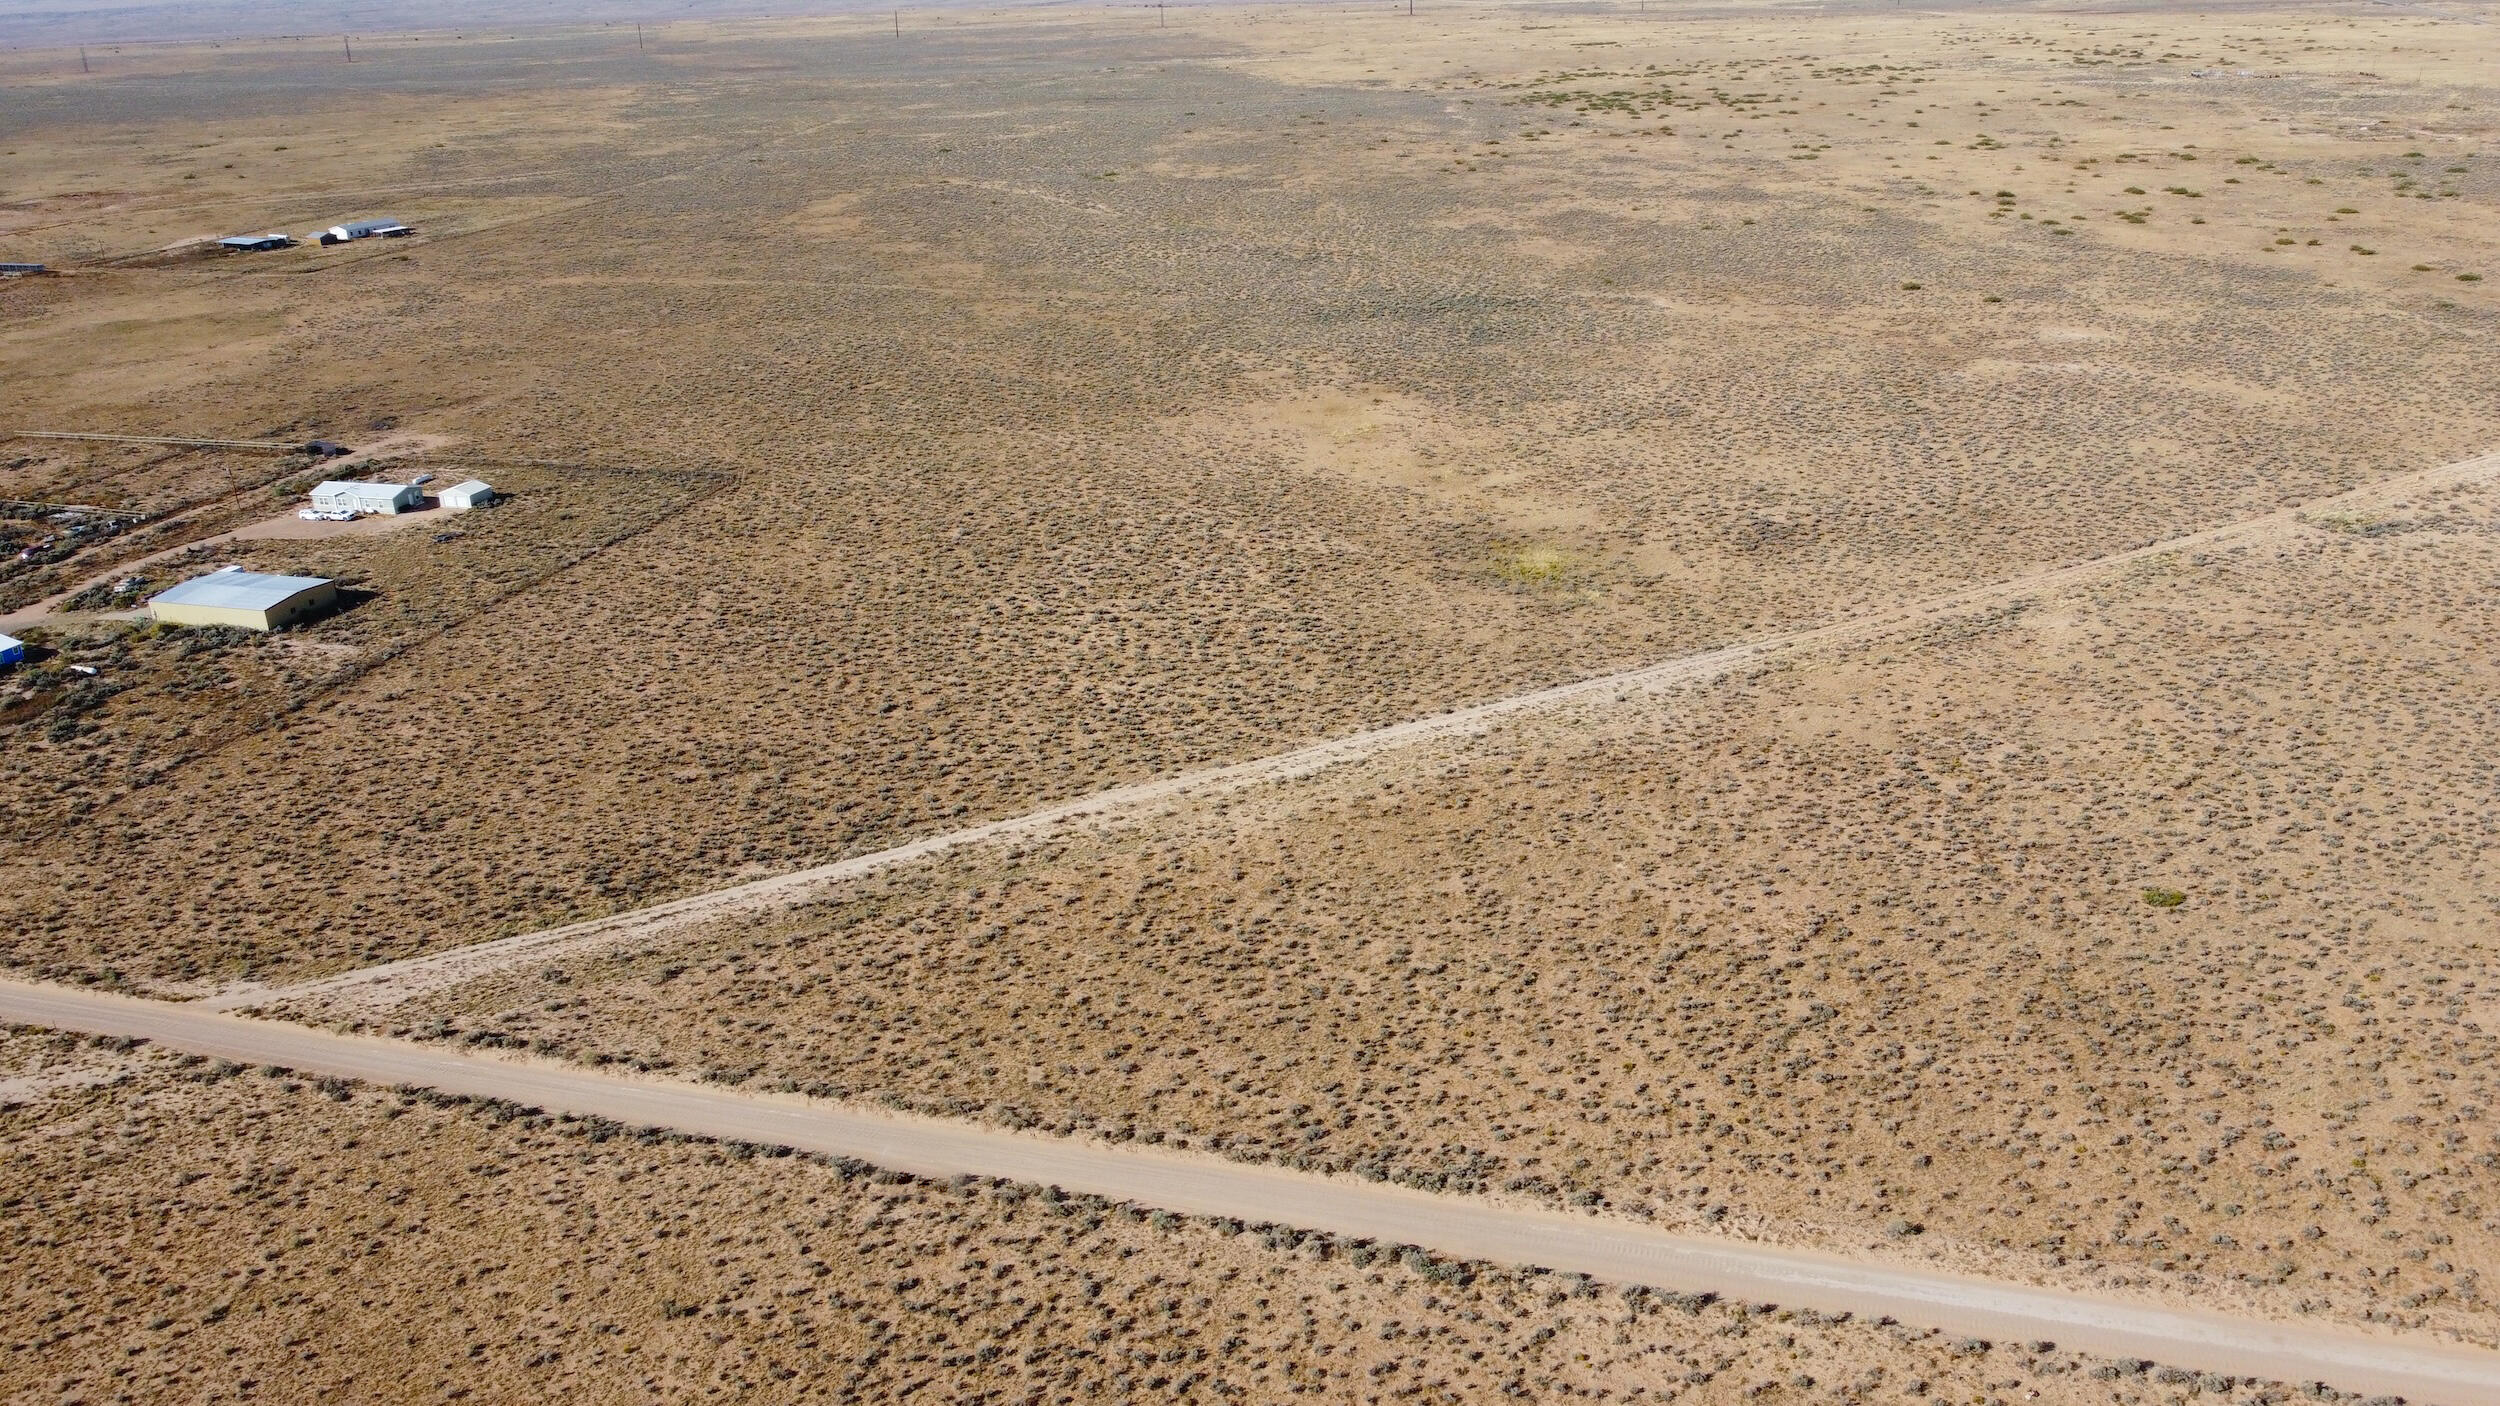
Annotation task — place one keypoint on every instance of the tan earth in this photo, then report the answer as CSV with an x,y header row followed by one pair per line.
x,y
1192,391
912,430
1771,956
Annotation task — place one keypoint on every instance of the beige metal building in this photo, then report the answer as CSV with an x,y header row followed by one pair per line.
x,y
245,599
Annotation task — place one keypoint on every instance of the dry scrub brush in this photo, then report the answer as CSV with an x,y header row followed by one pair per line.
x,y
1016,519
1854,950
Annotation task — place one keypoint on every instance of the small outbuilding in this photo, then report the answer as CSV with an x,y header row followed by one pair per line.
x,y
379,499
247,600
12,651
470,493
254,243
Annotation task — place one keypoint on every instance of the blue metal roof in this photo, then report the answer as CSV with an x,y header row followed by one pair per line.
x,y
235,589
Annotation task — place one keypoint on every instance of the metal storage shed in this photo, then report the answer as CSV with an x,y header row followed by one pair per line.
x,y
348,496
253,243
470,493
246,599
12,651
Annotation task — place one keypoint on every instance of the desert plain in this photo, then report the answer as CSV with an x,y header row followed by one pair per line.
x,y
912,421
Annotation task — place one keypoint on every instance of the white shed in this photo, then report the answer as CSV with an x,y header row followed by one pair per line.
x,y
467,494
345,496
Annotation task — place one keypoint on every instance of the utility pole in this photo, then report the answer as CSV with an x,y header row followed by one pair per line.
x,y
82,60
638,40
349,46
898,24
1160,21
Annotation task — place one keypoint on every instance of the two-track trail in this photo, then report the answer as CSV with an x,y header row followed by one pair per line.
x,y
385,983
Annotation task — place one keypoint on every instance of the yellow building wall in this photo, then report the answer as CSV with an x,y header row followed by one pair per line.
x,y
210,615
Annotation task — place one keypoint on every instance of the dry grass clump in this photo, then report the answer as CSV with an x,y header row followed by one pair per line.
x,y
1027,505
1856,951
207,1232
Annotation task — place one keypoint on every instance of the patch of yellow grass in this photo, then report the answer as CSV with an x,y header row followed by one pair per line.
x,y
1533,566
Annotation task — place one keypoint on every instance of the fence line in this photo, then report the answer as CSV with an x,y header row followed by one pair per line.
x,y
156,439
26,505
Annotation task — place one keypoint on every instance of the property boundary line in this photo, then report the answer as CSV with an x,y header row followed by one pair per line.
x,y
263,444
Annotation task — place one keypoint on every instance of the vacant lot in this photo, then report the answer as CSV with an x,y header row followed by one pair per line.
x,y
2132,935
1105,399
186,1230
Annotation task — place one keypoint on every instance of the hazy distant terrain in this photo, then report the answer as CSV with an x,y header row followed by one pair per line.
x,y
53,22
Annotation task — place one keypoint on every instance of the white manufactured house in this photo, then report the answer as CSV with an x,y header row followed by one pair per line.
x,y
471,493
346,496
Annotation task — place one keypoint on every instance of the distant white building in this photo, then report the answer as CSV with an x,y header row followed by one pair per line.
x,y
346,496
361,229
471,493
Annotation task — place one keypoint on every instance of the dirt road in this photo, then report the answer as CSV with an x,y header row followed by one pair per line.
x,y
369,987
1619,1252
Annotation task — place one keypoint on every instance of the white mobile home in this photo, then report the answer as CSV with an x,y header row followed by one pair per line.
x,y
382,499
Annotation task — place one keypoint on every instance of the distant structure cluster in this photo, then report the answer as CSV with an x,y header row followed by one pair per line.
x,y
346,232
